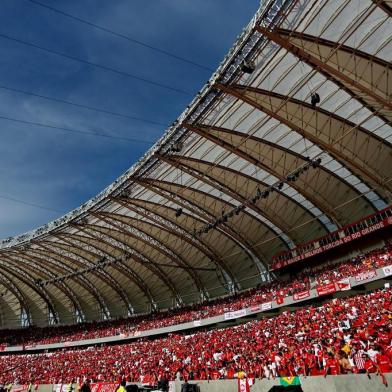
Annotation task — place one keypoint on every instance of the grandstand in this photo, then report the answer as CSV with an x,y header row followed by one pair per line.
x,y
252,241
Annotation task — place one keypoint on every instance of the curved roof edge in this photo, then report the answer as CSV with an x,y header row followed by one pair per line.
x,y
243,45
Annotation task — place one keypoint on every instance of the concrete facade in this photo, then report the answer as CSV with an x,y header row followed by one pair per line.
x,y
345,383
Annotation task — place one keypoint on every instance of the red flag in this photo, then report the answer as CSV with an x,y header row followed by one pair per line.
x,y
344,284
279,300
301,295
244,384
326,289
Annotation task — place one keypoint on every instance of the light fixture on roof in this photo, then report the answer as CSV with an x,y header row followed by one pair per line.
x,y
259,195
247,66
176,147
314,99
83,221
316,163
124,194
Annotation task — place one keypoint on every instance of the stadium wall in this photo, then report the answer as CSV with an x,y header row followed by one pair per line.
x,y
346,383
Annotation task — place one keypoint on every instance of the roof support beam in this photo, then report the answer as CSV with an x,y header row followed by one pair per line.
x,y
26,278
67,251
121,247
157,187
176,230
386,6
108,278
171,160
17,292
230,280
53,264
17,257
98,253
202,130
243,93
151,241
324,68
120,266
289,203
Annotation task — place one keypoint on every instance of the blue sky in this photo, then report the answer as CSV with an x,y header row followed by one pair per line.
x,y
62,170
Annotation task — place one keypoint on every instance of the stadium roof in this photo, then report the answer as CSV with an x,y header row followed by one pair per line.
x,y
137,245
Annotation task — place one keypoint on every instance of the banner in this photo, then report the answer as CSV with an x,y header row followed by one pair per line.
x,y
61,387
103,387
288,381
197,323
20,388
301,295
326,289
344,237
255,308
235,314
366,275
244,384
344,284
266,306
24,387
387,270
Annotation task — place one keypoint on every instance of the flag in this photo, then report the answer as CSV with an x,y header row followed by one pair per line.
x,y
279,300
289,381
344,284
244,384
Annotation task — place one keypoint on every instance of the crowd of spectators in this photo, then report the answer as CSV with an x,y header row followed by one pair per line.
x,y
274,290
351,335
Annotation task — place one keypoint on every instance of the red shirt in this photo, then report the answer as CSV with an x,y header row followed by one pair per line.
x,y
370,366
383,363
215,375
333,365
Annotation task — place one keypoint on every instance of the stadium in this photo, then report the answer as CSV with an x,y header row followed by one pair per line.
x,y
249,249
